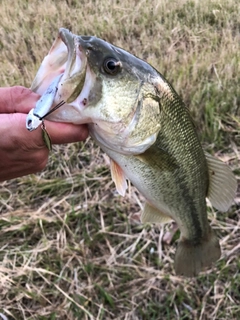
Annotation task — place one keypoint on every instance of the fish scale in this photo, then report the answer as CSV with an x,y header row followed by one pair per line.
x,y
187,151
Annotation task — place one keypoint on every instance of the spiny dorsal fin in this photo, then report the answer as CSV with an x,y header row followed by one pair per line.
x,y
222,184
153,215
118,178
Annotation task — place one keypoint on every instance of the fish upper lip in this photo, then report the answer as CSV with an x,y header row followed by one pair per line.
x,y
66,57
84,43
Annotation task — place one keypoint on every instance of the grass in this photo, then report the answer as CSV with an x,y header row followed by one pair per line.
x,y
70,247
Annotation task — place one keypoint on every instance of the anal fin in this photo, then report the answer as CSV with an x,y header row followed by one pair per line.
x,y
118,177
152,215
222,184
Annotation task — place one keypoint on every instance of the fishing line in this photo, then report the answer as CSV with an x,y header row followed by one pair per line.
x,y
60,104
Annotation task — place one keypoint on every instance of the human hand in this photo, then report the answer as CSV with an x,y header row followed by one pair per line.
x,y
23,152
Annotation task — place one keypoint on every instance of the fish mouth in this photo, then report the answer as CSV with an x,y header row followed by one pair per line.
x,y
60,79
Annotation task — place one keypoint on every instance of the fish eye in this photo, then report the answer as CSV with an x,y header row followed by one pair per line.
x,y
112,66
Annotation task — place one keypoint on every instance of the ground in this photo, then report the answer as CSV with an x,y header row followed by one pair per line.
x,y
70,246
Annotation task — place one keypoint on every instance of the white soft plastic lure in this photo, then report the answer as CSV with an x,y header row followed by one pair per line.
x,y
44,104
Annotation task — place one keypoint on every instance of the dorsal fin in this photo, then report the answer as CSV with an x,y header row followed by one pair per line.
x,y
118,178
222,184
152,215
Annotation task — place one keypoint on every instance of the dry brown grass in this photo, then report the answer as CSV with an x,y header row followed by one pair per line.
x,y
70,247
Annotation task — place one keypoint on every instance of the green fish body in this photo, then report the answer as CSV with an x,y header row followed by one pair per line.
x,y
139,120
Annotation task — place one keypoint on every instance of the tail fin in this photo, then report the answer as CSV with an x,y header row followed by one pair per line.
x,y
190,259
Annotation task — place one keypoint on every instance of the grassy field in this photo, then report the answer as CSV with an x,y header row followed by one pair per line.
x,y
70,247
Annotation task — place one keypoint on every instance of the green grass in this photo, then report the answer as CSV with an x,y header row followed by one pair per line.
x,y
70,247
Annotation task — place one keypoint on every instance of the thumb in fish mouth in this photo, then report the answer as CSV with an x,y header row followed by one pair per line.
x,y
59,133
62,133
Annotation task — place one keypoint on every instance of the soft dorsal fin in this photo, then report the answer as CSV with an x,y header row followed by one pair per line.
x,y
152,215
118,178
222,184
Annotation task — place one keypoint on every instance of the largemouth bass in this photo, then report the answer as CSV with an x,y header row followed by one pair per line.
x,y
139,120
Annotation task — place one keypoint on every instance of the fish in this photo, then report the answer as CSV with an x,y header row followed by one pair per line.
x,y
138,119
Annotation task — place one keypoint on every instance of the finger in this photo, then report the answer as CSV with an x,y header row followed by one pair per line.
x,y
17,99
20,99
66,132
18,163
13,132
20,152
13,126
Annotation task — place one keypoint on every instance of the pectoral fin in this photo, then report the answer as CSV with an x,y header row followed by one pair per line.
x,y
158,158
222,184
118,177
153,215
